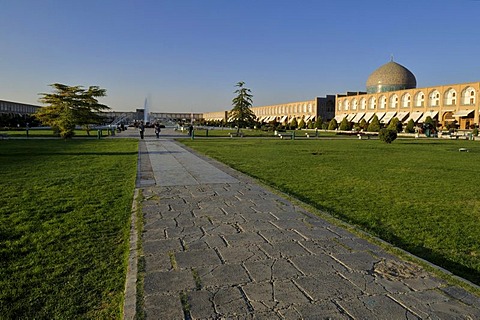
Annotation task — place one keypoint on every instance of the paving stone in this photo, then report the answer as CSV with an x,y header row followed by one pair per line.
x,y
164,307
168,282
315,311
328,287
276,235
157,262
375,307
266,296
359,244
242,254
161,246
357,261
272,269
201,305
315,234
223,275
197,258
284,249
324,246
243,239
230,303
317,264
462,295
435,304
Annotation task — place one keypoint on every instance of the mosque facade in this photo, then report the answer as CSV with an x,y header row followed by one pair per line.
x,y
392,92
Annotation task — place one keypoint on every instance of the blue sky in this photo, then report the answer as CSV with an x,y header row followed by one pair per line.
x,y
187,55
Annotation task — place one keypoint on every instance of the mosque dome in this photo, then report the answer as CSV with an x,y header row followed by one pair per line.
x,y
391,77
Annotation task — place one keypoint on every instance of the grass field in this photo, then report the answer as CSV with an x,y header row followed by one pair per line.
x,y
36,133
421,195
64,226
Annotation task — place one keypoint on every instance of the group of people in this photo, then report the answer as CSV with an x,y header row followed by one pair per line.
x,y
156,127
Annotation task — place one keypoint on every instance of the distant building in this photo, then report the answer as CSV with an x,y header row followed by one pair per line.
x,y
17,108
285,112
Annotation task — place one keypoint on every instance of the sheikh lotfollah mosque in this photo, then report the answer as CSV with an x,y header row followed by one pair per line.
x,y
391,91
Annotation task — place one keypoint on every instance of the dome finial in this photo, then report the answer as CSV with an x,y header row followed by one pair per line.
x,y
391,57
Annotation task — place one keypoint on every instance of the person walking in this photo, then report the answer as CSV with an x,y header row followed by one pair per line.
x,y
157,130
141,128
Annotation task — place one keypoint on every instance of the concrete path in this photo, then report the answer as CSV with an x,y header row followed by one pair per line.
x,y
219,246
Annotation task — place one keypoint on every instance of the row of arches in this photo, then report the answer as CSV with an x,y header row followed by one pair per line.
x,y
306,107
406,100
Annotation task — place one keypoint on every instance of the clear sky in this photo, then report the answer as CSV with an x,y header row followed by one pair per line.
x,y
187,55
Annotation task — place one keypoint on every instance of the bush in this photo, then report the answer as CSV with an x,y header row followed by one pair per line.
x,y
410,128
475,132
387,135
345,125
332,125
293,123
395,124
374,126
301,124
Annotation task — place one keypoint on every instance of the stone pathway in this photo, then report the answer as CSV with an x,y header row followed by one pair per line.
x,y
219,246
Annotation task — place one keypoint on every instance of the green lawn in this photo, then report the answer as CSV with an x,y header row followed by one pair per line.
x,y
36,133
64,226
421,195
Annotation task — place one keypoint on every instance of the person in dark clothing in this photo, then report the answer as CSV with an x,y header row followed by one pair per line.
x,y
141,128
157,130
190,130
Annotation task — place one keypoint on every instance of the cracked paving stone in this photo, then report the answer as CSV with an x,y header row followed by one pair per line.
x,y
276,235
375,307
315,311
462,295
436,305
328,287
284,249
258,225
297,224
243,239
314,234
164,307
229,303
317,264
164,282
221,229
271,269
323,246
359,244
197,258
358,261
266,296
160,224
201,305
242,254
223,275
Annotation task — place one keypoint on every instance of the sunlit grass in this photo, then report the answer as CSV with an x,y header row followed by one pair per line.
x,y
421,195
64,225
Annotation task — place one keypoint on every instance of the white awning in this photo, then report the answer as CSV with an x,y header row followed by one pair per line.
x,y
462,113
351,116
368,116
261,119
358,117
431,114
414,116
339,117
380,115
402,115
282,120
388,116
310,117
